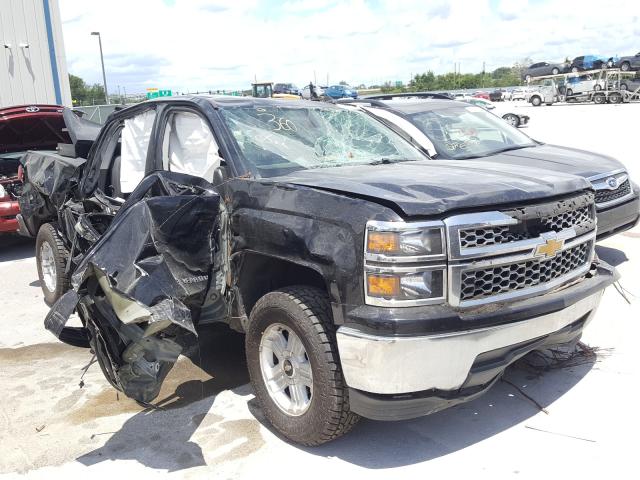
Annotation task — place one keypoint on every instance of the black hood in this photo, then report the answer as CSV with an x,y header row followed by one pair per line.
x,y
560,159
432,187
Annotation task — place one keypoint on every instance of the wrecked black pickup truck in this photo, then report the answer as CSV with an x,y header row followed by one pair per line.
x,y
369,280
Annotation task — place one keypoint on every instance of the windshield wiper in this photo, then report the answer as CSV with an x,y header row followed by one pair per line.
x,y
494,152
388,161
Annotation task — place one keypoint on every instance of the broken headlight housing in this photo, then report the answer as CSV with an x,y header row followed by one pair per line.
x,y
405,263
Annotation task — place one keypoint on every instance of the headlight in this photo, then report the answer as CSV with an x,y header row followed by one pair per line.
x,y
404,242
389,249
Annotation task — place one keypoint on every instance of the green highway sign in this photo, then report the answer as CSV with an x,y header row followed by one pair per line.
x,y
155,93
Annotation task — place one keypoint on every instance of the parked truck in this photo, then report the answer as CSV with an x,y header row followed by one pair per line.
x,y
369,280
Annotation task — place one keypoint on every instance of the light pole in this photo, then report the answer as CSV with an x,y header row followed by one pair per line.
x,y
104,76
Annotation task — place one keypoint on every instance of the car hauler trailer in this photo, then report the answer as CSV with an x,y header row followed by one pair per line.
x,y
604,88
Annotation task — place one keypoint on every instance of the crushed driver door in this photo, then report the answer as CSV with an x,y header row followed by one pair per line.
x,y
140,288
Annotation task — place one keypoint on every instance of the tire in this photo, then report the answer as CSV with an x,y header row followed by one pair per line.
x,y
536,101
512,119
615,97
597,87
625,66
555,71
624,86
569,92
527,78
599,98
51,260
575,69
304,312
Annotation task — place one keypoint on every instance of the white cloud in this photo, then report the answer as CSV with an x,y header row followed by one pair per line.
x,y
190,45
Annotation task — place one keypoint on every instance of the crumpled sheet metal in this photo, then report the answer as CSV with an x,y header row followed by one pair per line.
x,y
157,253
50,176
148,272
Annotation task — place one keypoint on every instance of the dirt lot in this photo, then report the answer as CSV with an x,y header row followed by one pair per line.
x,y
210,424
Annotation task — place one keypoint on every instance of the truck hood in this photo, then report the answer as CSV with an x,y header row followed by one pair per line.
x,y
433,187
560,159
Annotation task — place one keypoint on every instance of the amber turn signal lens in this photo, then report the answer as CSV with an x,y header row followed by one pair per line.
x,y
383,242
383,286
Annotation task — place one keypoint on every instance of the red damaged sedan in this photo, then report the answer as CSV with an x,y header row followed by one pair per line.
x,y
22,128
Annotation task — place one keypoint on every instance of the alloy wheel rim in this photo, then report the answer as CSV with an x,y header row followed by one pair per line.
x,y
286,370
48,267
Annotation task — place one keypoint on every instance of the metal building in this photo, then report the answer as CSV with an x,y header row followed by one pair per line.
x,y
33,68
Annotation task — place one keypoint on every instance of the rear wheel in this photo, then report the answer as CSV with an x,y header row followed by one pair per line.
x,y
597,87
512,119
555,71
527,78
615,97
624,86
575,69
294,366
51,261
625,67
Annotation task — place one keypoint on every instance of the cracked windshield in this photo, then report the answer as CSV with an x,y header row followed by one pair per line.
x,y
276,140
469,132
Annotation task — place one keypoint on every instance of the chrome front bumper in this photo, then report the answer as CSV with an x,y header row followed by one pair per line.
x,y
395,365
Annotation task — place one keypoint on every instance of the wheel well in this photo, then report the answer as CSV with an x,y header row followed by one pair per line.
x,y
260,274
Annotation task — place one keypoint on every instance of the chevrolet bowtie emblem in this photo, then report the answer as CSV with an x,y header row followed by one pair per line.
x,y
549,248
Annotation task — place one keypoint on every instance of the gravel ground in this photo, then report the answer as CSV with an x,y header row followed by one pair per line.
x,y
210,424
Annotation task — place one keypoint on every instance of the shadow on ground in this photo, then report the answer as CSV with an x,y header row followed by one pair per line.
x,y
13,247
380,445
175,440
612,256
161,438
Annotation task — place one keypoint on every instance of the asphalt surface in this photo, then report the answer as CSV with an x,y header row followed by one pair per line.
x,y
210,424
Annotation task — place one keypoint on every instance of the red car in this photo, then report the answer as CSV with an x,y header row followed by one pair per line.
x,y
483,95
22,128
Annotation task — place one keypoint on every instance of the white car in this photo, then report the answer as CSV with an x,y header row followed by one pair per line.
x,y
583,85
500,110
306,91
519,94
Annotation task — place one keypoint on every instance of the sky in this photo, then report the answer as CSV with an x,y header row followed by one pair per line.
x,y
200,45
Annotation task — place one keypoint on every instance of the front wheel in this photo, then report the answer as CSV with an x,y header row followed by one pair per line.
x,y
555,71
512,119
536,101
625,67
51,261
294,366
597,87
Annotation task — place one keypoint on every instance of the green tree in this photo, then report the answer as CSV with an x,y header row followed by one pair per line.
x,y
84,94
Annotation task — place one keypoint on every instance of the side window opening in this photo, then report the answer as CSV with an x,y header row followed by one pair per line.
x,y
134,146
188,146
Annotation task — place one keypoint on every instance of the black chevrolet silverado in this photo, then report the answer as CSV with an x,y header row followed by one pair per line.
x,y
369,280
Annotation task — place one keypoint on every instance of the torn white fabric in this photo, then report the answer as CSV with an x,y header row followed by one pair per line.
x,y
135,143
189,146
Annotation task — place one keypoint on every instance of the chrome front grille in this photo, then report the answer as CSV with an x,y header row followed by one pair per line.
x,y
611,188
606,196
517,253
569,219
482,283
476,237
